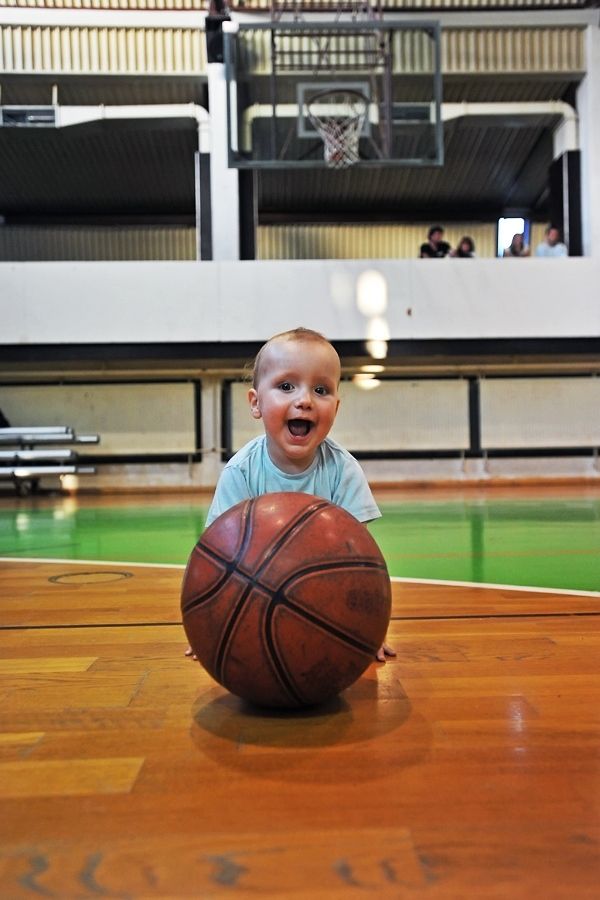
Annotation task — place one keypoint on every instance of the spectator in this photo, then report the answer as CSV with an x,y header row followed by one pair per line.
x,y
465,249
552,244
517,247
435,247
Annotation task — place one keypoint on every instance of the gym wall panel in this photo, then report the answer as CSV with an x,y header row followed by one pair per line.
x,y
538,233
29,243
131,418
487,50
540,412
464,51
196,5
395,416
306,5
404,416
160,50
107,51
365,241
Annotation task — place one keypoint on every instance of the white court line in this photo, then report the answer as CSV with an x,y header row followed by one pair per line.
x,y
434,581
497,587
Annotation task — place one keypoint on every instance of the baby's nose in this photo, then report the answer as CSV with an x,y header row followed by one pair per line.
x,y
304,397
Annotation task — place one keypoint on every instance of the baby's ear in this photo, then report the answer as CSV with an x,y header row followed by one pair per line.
x,y
253,401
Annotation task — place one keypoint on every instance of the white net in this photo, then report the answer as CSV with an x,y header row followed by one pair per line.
x,y
339,117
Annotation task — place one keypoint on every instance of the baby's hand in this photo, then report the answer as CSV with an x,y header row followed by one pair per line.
x,y
384,650
190,652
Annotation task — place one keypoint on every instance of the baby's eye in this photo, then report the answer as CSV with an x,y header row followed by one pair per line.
x,y
321,390
286,386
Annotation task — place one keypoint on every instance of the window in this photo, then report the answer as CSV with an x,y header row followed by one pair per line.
x,y
507,228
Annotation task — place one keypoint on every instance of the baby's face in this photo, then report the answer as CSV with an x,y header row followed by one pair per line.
x,y
297,398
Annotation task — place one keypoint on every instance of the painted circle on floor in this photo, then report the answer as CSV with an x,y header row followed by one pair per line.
x,y
101,577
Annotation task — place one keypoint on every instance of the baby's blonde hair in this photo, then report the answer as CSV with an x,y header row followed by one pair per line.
x,y
295,334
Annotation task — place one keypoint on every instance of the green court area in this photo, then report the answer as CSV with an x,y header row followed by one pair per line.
x,y
553,543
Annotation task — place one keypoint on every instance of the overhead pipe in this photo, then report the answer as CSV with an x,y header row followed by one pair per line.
x,y
78,115
565,135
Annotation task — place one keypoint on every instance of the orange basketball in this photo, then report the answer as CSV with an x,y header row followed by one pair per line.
x,y
286,599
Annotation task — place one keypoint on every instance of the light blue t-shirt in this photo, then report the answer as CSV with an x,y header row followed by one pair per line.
x,y
545,249
333,475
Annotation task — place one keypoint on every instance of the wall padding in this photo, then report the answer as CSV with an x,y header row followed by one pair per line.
x,y
395,416
131,418
540,412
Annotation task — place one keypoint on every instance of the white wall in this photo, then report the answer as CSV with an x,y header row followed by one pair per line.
x,y
137,302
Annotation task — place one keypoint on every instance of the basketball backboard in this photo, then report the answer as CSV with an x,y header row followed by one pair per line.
x,y
284,78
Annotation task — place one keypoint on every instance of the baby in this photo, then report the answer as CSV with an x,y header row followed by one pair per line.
x,y
294,391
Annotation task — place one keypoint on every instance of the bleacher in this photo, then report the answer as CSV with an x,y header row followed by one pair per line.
x,y
31,453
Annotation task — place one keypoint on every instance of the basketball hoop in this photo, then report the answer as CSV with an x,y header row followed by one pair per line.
x,y
338,117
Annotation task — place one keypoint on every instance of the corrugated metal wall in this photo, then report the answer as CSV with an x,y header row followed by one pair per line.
x,y
199,5
25,48
107,51
537,235
413,5
487,50
36,243
463,50
364,241
307,5
29,243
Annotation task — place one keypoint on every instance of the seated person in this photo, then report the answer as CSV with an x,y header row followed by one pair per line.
x,y
435,247
517,247
465,249
552,244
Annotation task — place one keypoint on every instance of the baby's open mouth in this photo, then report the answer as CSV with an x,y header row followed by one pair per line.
x,y
299,427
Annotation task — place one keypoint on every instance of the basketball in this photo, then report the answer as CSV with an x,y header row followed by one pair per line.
x,y
286,600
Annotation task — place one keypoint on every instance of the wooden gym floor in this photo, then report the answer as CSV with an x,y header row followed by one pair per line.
x,y
467,767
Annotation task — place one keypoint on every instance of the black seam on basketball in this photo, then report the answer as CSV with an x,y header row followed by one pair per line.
x,y
289,532
279,598
343,636
277,663
254,582
231,622
276,595
199,599
274,656
227,631
230,565
313,617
